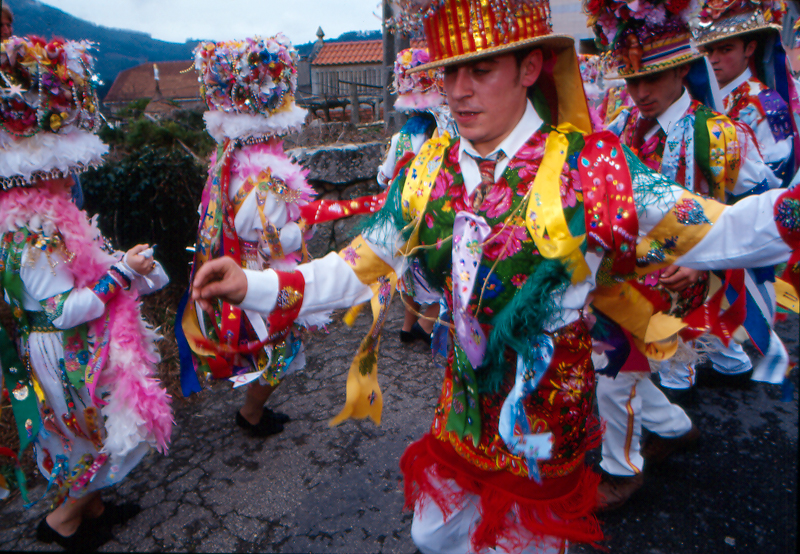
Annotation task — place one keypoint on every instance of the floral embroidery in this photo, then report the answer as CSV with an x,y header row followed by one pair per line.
x,y
658,252
351,256
519,279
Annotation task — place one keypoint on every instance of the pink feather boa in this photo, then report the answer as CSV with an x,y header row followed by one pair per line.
x,y
132,359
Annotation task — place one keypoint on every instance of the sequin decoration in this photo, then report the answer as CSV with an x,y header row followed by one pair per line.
x,y
787,214
689,212
288,297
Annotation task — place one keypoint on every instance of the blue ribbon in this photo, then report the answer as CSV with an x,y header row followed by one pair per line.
x,y
513,426
189,382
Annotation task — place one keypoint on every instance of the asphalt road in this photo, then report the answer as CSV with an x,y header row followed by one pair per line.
x,y
318,489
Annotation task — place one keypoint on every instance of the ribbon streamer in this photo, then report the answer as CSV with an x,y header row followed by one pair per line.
x,y
513,426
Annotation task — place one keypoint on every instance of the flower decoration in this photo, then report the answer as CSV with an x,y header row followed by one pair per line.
x,y
719,19
256,76
631,31
47,86
418,90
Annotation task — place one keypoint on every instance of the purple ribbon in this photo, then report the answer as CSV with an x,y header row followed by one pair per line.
x,y
469,234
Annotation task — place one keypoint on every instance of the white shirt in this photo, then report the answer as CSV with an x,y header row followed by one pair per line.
x,y
529,123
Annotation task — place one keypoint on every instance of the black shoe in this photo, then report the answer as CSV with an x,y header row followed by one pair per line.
x,y
685,398
710,378
117,514
264,428
416,332
89,537
280,417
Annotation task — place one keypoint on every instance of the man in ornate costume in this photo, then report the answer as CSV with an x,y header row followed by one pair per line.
x,y
739,38
251,211
510,221
81,381
678,134
419,96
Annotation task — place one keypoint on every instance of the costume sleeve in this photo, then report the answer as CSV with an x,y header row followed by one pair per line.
x,y
52,287
386,169
754,174
157,279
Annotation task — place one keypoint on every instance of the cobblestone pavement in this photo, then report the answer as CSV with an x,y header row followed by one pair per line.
x,y
318,489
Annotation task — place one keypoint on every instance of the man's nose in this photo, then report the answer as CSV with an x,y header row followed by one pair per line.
x,y
457,84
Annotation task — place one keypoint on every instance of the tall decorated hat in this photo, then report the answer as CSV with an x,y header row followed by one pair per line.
x,y
249,87
722,19
419,90
49,110
462,31
640,37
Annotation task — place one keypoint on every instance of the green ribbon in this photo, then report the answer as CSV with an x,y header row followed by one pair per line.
x,y
464,417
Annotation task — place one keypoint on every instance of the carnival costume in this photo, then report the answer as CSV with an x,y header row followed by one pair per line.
x,y
773,116
419,95
504,461
83,388
251,204
767,103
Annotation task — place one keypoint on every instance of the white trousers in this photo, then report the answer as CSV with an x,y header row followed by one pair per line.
x,y
433,535
626,404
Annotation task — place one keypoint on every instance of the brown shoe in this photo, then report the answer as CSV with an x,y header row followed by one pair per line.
x,y
615,490
657,449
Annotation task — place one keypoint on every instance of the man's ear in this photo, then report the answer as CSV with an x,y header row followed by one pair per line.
x,y
750,49
530,68
683,71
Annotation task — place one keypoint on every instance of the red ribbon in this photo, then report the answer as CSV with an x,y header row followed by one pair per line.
x,y
330,210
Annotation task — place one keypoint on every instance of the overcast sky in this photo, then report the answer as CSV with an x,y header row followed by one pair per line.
x,y
179,20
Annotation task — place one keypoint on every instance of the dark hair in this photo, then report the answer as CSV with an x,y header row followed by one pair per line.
x,y
7,11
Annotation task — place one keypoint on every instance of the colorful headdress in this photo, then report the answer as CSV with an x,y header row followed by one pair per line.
x,y
48,110
721,19
249,87
642,36
460,31
419,90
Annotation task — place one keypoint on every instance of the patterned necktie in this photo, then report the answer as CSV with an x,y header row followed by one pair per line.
x,y
642,127
487,167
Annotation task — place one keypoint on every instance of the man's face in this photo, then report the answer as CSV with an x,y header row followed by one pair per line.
x,y
6,29
656,92
487,97
729,58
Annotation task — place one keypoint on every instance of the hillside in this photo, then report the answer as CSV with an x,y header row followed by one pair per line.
x,y
119,49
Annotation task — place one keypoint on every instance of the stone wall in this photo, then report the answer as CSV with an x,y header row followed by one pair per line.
x,y
340,172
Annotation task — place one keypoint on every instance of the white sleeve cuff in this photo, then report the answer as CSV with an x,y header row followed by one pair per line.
x,y
262,291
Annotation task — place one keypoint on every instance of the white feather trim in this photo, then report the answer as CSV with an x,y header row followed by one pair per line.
x,y
45,152
414,101
315,320
222,125
124,428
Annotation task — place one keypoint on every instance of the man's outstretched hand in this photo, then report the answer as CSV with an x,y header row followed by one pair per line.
x,y
221,278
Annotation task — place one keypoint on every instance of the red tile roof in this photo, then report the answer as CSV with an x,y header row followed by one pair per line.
x,y
365,51
138,82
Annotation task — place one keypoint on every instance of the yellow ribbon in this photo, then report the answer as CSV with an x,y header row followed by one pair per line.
x,y
545,215
419,183
723,155
364,397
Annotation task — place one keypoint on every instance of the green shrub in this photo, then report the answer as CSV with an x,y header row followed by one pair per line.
x,y
149,196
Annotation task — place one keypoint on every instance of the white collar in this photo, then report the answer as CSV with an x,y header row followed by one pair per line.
x,y
527,125
675,112
729,88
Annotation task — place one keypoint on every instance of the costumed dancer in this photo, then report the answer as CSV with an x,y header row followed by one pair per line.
x,y
678,134
510,221
419,96
741,40
82,378
251,212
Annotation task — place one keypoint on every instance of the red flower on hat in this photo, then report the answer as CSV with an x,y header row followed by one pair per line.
x,y
677,6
